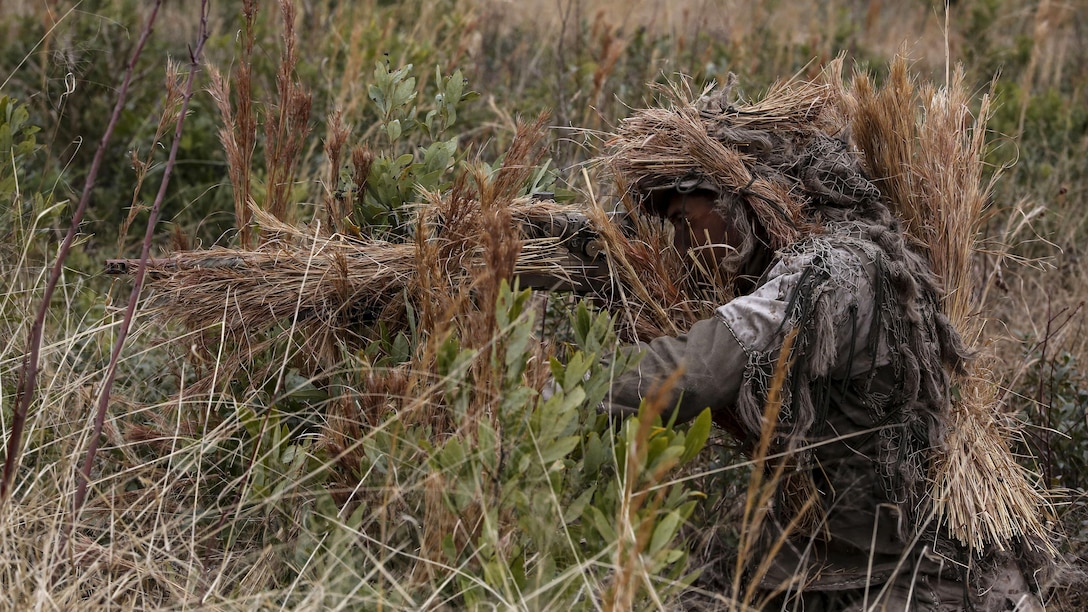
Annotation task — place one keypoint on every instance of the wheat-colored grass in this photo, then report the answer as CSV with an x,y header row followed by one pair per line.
x,y
925,147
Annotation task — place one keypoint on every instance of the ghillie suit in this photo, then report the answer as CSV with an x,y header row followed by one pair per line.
x,y
834,354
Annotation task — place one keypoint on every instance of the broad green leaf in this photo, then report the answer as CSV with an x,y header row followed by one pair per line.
x,y
557,368
674,555
401,350
577,507
452,455
665,531
576,370
558,450
487,442
455,87
449,548
375,94
697,435
405,92
393,130
602,524
665,458
596,454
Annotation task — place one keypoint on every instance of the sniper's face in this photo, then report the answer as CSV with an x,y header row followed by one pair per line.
x,y
699,231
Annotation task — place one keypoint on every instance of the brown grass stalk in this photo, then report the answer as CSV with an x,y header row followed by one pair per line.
x,y
239,132
289,125
337,207
639,494
762,485
171,102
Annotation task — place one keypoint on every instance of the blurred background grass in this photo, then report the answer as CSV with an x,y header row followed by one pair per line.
x,y
586,63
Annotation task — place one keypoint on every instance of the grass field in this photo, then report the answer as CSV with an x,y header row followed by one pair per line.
x,y
406,462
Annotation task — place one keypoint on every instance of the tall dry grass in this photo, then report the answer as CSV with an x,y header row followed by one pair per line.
x,y
171,517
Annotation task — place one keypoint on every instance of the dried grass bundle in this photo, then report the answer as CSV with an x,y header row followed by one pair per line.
x,y
926,149
790,105
304,275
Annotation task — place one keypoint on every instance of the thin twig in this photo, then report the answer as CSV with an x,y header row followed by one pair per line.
x,y
28,377
134,296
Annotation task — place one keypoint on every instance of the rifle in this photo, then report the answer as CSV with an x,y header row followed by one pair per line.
x,y
574,260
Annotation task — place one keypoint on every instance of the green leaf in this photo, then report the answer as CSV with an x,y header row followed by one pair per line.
x,y
393,130
375,94
557,368
576,371
558,450
451,361
401,349
515,405
656,447
449,548
405,91
487,442
576,508
582,324
452,455
602,524
697,435
672,556
557,416
665,531
595,455
664,456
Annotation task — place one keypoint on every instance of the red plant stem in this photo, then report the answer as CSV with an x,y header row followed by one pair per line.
x,y
28,376
134,296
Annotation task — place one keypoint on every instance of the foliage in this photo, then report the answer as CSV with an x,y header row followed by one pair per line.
x,y
17,143
397,179
1054,392
524,506
423,469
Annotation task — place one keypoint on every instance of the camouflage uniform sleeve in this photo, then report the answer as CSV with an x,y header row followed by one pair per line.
x,y
713,355
716,353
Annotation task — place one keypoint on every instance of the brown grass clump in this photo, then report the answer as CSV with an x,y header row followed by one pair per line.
x,y
925,148
304,274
